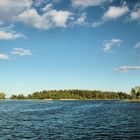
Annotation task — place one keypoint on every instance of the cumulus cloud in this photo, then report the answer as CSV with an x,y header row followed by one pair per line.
x,y
10,35
112,13
135,14
87,3
48,7
38,3
16,51
9,9
41,14
109,44
81,19
127,68
4,57
21,52
137,45
24,11
51,18
115,12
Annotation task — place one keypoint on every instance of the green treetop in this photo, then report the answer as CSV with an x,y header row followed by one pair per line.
x,y
2,95
135,92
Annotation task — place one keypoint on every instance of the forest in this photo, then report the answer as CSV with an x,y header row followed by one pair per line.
x,y
74,94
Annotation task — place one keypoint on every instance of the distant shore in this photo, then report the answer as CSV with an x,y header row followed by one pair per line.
x,y
123,100
133,100
76,99
60,99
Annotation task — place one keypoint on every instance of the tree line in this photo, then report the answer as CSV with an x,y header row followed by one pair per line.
x,y
2,96
73,94
135,92
77,94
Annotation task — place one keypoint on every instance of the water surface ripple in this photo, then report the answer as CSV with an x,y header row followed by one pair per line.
x,y
69,120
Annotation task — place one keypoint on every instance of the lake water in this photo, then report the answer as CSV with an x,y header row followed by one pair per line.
x,y
69,120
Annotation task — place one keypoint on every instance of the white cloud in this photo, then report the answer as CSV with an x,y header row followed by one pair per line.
x,y
111,43
10,35
127,68
137,45
111,14
115,12
58,18
9,9
87,3
23,11
48,7
31,17
49,19
6,28
4,56
21,52
96,24
38,3
135,14
81,19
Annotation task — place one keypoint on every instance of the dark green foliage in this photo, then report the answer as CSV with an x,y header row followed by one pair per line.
x,y
135,92
20,97
74,94
2,95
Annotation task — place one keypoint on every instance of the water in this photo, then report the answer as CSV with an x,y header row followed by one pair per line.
x,y
69,120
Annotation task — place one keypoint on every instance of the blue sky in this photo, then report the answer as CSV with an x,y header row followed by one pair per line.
x,y
69,44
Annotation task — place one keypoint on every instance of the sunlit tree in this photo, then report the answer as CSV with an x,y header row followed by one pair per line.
x,y
135,92
2,95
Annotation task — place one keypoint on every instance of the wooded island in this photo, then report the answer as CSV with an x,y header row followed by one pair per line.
x,y
78,94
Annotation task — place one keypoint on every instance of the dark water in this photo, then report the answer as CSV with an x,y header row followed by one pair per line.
x,y
69,120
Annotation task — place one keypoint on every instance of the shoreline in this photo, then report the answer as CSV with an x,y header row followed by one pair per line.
x,y
61,99
122,100
132,100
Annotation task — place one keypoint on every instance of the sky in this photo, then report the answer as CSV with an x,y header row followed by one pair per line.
x,y
69,44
